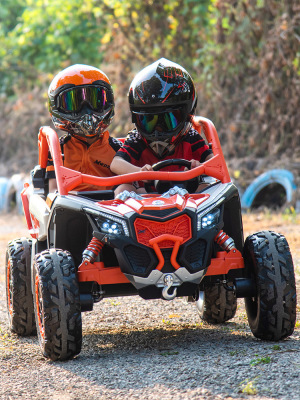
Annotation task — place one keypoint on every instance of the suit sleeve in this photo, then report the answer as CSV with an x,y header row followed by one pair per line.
x,y
199,147
132,149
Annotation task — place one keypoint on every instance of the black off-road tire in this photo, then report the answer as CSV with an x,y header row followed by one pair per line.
x,y
57,305
272,313
19,298
216,305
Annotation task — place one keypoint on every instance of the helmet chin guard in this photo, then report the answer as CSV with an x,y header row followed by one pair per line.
x,y
160,149
89,126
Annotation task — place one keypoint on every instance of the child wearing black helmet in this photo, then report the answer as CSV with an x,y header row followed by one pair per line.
x,y
162,101
81,103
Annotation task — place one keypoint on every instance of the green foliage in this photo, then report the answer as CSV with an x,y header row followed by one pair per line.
x,y
248,387
260,360
243,56
147,30
276,347
250,72
10,11
169,353
290,214
50,35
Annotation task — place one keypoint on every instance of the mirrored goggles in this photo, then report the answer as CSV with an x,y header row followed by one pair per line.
x,y
72,100
168,121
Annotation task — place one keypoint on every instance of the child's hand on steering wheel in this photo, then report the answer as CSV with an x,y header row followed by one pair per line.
x,y
147,167
194,164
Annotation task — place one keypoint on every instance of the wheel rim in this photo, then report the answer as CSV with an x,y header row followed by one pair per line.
x,y
39,307
9,288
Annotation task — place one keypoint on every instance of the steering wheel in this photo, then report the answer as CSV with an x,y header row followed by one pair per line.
x,y
163,186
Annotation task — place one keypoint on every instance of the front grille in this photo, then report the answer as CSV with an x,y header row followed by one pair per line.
x,y
195,254
160,213
138,258
146,230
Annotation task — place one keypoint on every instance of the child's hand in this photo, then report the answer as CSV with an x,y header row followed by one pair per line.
x,y
147,167
194,164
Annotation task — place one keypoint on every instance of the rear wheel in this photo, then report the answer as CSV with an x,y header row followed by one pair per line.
x,y
57,304
216,304
272,313
18,287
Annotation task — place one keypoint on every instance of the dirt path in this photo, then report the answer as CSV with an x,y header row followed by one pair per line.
x,y
136,349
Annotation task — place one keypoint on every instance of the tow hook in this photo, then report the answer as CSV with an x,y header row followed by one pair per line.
x,y
168,281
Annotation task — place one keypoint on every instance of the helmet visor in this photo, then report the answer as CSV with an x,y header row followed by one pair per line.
x,y
72,100
168,121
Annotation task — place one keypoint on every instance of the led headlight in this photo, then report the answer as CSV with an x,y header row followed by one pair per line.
x,y
109,223
110,227
208,220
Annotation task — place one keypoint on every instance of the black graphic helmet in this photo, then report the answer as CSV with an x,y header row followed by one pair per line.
x,y
162,99
81,101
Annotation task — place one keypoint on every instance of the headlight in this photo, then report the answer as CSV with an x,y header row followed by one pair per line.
x,y
112,225
108,223
208,220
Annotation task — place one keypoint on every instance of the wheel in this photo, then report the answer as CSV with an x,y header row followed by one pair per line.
x,y
57,304
18,287
272,313
216,305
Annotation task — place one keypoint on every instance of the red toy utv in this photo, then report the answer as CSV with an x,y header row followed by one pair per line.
x,y
86,246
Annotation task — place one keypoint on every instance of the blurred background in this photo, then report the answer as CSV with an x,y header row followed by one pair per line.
x,y
244,57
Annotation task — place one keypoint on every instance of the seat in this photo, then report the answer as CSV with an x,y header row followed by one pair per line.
x,y
39,182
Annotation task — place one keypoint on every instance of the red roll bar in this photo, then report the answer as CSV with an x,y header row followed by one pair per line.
x,y
67,179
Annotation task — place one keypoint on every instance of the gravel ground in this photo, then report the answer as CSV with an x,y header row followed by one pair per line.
x,y
137,349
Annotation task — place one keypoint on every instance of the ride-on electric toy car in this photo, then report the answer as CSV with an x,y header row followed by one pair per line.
x,y
86,246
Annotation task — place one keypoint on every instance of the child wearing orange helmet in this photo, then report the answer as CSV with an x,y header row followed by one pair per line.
x,y
81,103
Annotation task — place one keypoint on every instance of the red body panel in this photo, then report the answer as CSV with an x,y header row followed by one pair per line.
x,y
88,272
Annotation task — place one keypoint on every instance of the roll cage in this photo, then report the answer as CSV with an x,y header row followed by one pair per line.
x,y
67,179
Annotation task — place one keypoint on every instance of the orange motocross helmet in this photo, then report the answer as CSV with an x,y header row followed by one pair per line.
x,y
81,101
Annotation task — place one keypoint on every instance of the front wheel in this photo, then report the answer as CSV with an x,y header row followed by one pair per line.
x,y
18,287
57,304
216,305
272,312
